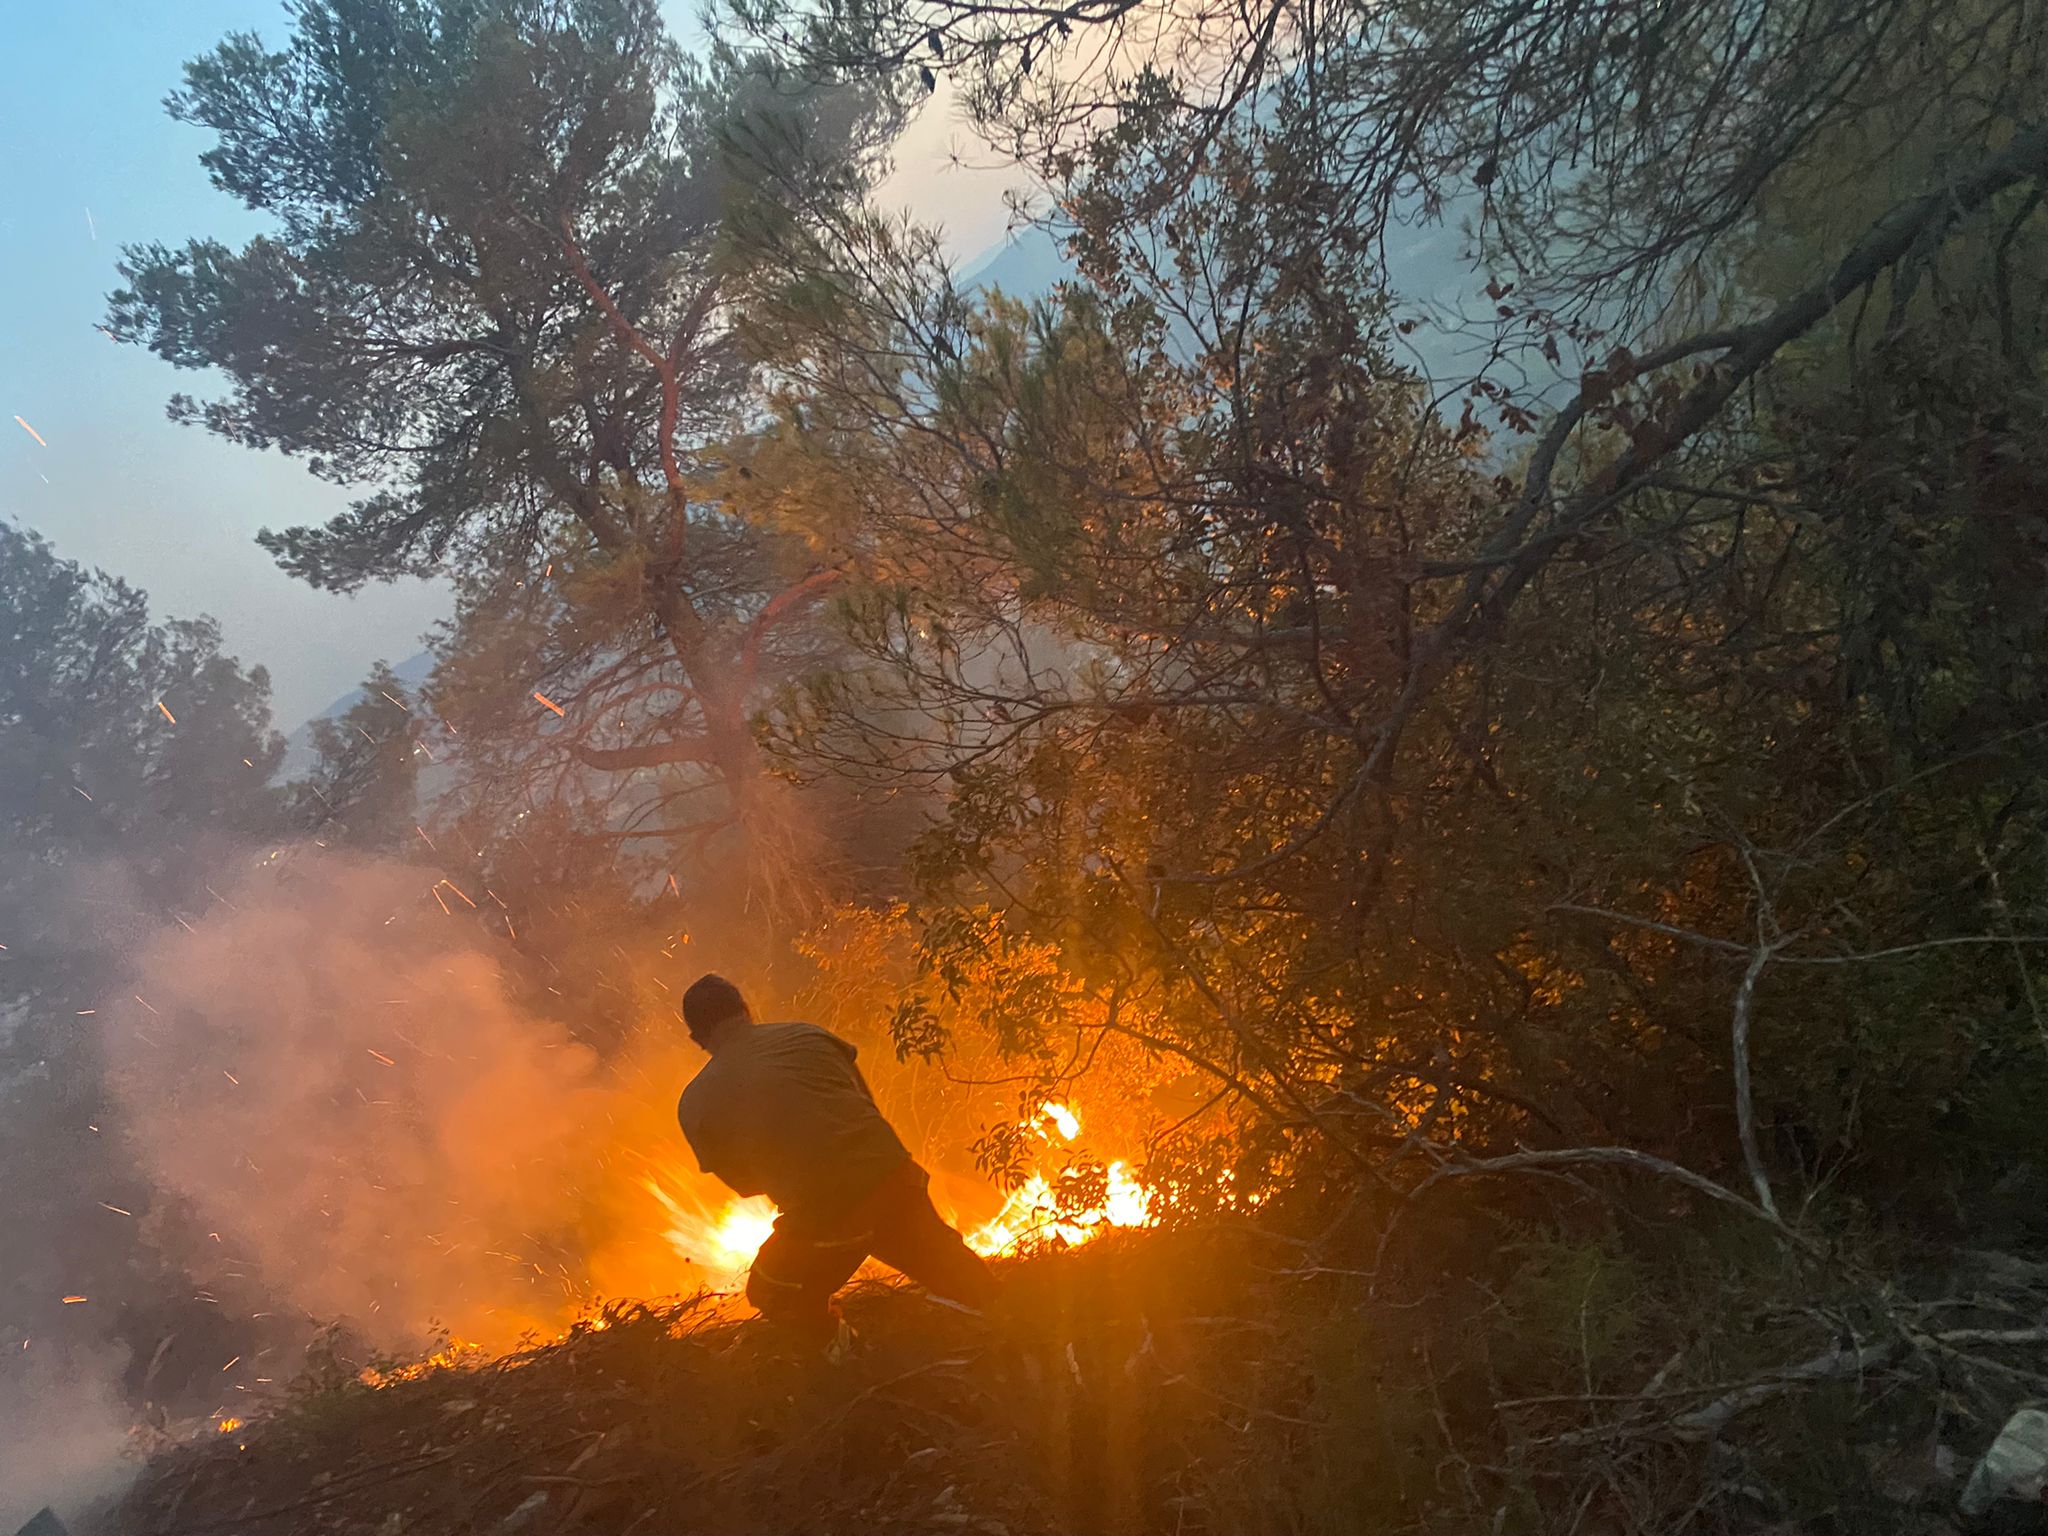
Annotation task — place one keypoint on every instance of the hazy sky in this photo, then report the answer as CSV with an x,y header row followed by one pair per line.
x,y
88,161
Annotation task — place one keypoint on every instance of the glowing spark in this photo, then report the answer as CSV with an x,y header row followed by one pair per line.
x,y
383,1058
86,1013
31,431
550,703
510,931
72,1301
395,701
458,891
88,798
167,713
231,1364
229,1426
424,838
435,892
224,1072
674,889
544,575
115,1209
144,1001
247,764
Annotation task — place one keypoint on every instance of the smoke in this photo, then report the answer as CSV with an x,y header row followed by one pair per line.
x,y
329,1072
330,1116
65,1433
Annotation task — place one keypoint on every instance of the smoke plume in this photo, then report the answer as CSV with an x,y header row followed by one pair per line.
x,y
327,1069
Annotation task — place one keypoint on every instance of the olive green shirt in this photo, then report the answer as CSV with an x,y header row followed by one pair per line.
x,y
781,1110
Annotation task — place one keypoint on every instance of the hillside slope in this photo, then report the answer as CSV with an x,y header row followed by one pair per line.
x,y
1218,1381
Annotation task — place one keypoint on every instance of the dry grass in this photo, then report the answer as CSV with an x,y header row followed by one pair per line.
x,y
665,1417
1498,1378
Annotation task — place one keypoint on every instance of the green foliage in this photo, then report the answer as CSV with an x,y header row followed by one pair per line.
x,y
413,320
499,295
122,742
135,757
363,791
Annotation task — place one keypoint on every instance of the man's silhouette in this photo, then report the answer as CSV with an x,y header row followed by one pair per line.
x,y
781,1110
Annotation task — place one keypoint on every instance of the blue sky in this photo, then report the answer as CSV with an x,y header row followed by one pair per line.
x,y
88,162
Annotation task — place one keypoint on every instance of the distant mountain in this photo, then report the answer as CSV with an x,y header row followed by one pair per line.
x,y
1025,266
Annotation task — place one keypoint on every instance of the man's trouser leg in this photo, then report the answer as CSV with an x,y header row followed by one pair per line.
x,y
912,1237
804,1262
795,1275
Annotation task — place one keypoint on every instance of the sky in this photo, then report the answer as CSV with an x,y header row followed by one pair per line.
x,y
88,162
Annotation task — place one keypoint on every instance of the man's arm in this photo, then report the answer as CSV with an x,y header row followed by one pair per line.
x,y
739,1184
713,1153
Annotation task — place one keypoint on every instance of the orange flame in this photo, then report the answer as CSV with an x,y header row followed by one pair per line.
x,y
718,1238
719,1241
1034,1214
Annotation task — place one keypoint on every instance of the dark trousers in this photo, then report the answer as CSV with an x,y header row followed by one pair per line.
x,y
808,1257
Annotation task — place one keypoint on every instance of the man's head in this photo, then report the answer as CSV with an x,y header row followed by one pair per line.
x,y
714,1011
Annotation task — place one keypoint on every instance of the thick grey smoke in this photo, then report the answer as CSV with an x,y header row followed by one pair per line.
x,y
327,1069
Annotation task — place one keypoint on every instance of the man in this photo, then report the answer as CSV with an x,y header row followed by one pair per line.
x,y
781,1110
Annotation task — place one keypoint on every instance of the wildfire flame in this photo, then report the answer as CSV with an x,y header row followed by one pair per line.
x,y
1034,1211
719,1239
719,1242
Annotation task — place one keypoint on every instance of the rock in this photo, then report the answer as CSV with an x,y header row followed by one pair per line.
x,y
2014,1470
526,1516
43,1522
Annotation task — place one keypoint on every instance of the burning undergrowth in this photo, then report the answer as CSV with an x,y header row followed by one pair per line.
x,y
672,1417
1223,1376
362,1136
